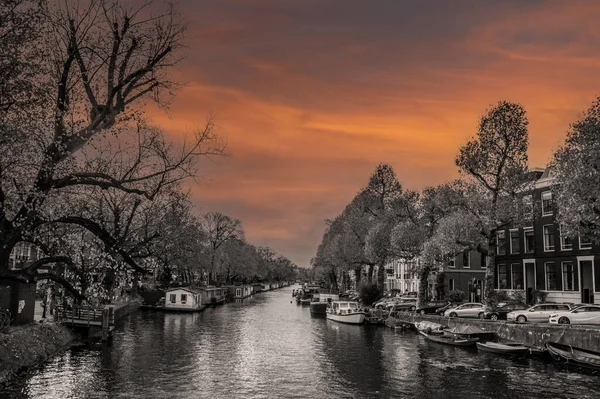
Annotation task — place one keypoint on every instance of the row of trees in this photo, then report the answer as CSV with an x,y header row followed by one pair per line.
x,y
84,176
384,221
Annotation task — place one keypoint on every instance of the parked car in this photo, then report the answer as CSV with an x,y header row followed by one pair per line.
x,y
406,305
537,313
469,309
449,305
503,309
383,303
431,307
588,314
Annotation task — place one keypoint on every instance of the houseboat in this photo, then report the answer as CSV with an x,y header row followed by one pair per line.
x,y
239,291
184,299
212,296
345,312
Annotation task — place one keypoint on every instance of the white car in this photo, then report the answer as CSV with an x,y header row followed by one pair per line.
x,y
469,309
537,313
588,314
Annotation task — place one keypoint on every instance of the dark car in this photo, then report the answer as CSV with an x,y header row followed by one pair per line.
x,y
500,312
431,307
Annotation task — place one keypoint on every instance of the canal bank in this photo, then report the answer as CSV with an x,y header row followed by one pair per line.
x,y
534,334
28,346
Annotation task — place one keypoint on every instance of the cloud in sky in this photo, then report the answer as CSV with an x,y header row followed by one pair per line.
x,y
313,94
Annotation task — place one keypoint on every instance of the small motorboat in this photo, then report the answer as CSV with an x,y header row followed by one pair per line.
x,y
345,312
573,356
449,340
510,349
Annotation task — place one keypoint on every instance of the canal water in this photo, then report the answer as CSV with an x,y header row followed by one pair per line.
x,y
268,347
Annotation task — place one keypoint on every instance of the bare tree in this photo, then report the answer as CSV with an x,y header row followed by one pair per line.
x,y
220,229
89,134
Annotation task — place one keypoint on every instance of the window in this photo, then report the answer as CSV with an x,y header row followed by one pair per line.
x,y
547,207
183,298
527,202
514,242
549,238
551,284
451,284
569,277
466,259
451,261
173,298
529,241
501,243
502,277
566,244
585,242
517,276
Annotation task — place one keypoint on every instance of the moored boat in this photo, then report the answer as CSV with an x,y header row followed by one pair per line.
x,y
345,312
573,356
449,340
320,302
511,349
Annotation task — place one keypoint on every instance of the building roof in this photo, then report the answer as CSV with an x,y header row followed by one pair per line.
x,y
193,290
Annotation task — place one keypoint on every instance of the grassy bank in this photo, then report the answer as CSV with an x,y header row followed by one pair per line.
x,y
27,346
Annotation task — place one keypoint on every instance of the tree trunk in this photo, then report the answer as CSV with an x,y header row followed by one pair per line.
x,y
381,277
490,273
358,275
423,284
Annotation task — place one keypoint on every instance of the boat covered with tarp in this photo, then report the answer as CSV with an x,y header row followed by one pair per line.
x,y
468,331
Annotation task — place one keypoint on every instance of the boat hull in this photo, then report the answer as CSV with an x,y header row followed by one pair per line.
x,y
318,308
501,349
446,340
573,356
352,318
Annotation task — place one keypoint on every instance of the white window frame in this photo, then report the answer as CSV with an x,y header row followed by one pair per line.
x,y
510,232
173,298
452,286
575,273
528,201
546,276
562,241
544,212
498,233
452,262
512,280
468,255
183,299
547,248
588,245
525,231
498,273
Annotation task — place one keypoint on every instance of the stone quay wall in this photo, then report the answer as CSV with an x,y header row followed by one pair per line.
x,y
534,334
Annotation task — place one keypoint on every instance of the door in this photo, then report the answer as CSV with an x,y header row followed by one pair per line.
x,y
587,281
529,282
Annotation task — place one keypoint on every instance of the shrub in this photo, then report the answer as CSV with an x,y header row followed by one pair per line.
x,y
539,296
455,296
368,293
519,296
495,297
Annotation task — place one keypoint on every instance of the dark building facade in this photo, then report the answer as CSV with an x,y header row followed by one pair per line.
x,y
537,257
464,272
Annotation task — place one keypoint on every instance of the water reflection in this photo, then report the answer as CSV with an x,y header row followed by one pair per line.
x,y
267,347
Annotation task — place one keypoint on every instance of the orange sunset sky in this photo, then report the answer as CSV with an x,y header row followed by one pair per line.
x,y
313,94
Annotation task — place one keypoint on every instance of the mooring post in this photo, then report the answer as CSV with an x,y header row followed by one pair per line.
x,y
105,323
